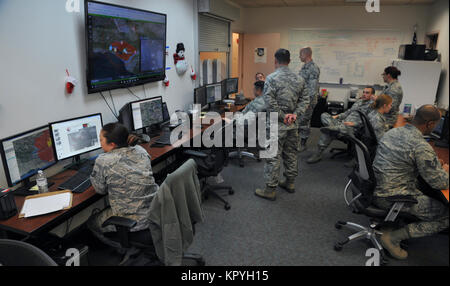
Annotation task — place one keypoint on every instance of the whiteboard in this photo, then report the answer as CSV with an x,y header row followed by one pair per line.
x,y
356,56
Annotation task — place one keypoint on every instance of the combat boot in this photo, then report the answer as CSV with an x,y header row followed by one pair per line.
x,y
316,157
288,184
267,193
391,242
302,146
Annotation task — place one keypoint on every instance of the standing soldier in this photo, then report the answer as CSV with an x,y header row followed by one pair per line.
x,y
285,94
310,72
394,90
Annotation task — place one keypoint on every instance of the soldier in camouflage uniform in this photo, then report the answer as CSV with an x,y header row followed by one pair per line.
x,y
402,155
394,90
345,122
125,174
284,93
310,72
256,105
381,106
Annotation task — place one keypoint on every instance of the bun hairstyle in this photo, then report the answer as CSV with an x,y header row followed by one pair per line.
x,y
393,72
381,101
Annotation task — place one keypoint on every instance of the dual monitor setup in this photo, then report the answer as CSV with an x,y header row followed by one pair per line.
x,y
24,154
211,94
146,113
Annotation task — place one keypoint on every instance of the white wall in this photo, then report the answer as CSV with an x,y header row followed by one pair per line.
x,y
39,40
281,20
439,23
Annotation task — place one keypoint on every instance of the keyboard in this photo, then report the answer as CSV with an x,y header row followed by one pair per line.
x,y
164,139
81,181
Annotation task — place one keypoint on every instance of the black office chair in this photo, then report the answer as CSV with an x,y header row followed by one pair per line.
x,y
366,135
18,253
358,195
136,245
242,152
210,163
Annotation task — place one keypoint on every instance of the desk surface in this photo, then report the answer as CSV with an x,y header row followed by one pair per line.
x,y
34,225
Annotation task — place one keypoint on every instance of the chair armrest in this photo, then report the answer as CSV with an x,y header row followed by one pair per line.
x,y
195,153
120,221
402,199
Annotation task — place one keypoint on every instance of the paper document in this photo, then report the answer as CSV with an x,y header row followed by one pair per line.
x,y
46,204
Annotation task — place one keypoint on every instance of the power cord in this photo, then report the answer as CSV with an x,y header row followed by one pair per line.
x,y
133,93
115,115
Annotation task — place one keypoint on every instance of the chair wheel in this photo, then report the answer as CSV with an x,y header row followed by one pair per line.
x,y
231,192
259,160
241,165
338,225
337,246
227,207
201,262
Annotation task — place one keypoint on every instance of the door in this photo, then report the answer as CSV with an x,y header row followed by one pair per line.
x,y
254,62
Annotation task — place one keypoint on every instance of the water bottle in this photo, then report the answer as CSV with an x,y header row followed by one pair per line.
x,y
41,182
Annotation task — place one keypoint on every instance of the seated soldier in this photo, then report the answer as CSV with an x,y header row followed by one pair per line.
x,y
125,174
339,123
381,106
403,155
256,105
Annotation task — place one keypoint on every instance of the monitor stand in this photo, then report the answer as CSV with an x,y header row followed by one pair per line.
x,y
153,130
77,163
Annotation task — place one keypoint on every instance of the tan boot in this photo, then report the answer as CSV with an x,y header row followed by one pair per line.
x,y
288,184
266,193
391,242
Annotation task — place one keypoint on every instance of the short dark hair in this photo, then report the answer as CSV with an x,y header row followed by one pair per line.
x,y
426,113
393,72
371,88
259,85
283,56
116,133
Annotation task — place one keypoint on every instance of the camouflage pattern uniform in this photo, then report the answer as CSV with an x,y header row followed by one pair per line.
x,y
394,90
251,110
378,122
403,155
125,174
285,93
310,72
348,116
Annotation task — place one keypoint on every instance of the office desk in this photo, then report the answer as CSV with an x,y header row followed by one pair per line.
x,y
36,225
442,153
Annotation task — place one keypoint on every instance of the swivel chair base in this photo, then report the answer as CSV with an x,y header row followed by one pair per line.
x,y
210,190
240,154
370,233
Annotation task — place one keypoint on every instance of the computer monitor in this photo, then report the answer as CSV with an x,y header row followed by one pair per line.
x,y
439,129
24,154
200,96
231,85
74,137
166,115
147,112
213,93
126,117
